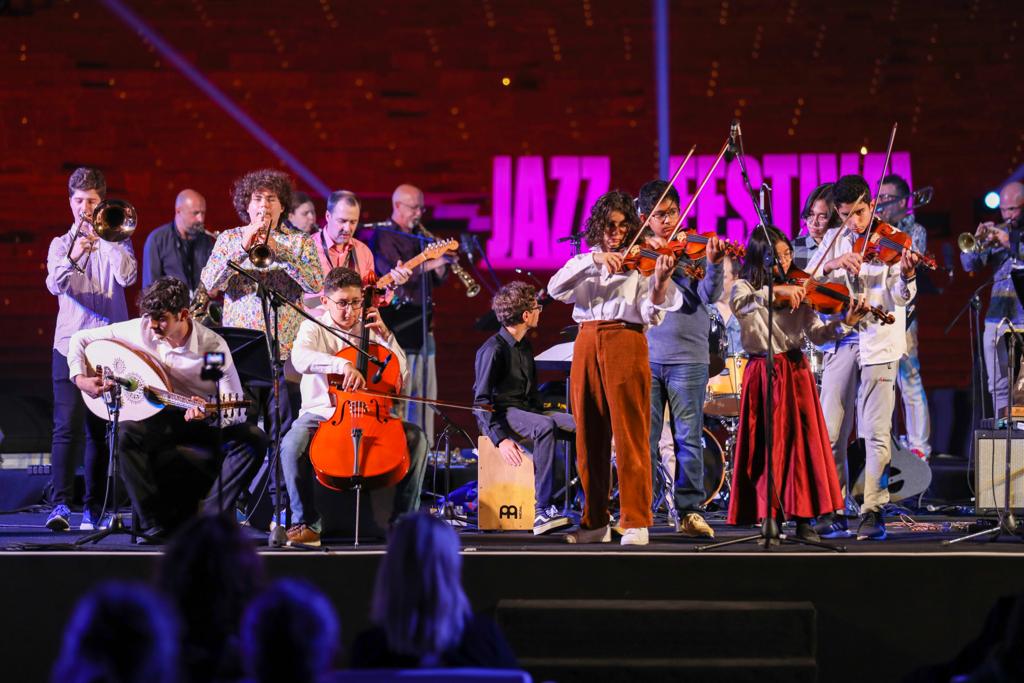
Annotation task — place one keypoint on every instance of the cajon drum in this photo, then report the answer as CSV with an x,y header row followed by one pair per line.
x,y
505,492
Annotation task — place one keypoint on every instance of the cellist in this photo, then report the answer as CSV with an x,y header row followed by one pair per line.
x,y
864,363
313,355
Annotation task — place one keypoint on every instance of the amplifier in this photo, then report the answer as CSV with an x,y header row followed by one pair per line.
x,y
990,469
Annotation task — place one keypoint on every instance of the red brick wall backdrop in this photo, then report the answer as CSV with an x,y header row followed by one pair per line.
x,y
368,95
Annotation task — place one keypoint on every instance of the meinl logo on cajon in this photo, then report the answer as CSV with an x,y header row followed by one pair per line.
x,y
509,512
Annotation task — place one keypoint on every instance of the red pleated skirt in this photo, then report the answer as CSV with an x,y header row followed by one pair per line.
x,y
804,469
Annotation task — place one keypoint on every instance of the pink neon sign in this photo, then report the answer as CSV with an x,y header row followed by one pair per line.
x,y
536,203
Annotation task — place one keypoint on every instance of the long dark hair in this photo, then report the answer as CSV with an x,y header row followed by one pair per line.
x,y
754,270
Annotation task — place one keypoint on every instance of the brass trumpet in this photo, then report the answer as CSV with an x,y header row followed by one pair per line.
x,y
260,254
976,242
471,285
114,220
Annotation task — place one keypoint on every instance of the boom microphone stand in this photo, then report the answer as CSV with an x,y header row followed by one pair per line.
x,y
769,534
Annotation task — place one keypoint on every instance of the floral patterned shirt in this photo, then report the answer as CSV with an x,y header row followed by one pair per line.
x,y
296,269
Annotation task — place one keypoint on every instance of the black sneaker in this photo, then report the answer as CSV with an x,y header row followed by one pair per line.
x,y
832,526
547,520
872,527
58,519
805,531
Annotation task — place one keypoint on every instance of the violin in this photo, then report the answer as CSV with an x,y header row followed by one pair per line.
x,y
362,444
689,253
886,245
696,244
828,297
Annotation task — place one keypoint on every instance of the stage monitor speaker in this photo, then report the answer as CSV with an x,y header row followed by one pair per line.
x,y
990,469
506,495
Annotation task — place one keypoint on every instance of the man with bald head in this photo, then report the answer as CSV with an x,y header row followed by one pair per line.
x,y
180,248
1004,303
398,240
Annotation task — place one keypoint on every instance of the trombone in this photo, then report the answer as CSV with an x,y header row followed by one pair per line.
x,y
114,220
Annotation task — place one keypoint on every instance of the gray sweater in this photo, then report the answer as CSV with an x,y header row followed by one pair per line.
x,y
682,337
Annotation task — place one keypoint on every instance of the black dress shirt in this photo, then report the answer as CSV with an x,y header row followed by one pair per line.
x,y
506,377
166,253
390,245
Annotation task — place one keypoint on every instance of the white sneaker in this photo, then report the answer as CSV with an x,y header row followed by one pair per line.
x,y
600,535
635,536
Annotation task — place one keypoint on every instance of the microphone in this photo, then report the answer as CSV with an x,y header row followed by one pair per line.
x,y
530,275
468,244
735,141
947,258
380,369
575,237
129,383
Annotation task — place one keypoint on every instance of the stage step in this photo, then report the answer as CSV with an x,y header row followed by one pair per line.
x,y
636,640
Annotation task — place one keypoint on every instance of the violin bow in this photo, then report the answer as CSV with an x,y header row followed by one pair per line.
x,y
874,208
417,399
664,194
700,188
832,243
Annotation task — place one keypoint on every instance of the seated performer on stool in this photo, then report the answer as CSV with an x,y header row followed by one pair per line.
x,y
313,355
506,379
610,381
805,473
167,333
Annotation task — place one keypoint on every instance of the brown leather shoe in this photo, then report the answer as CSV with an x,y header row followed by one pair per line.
x,y
302,534
693,525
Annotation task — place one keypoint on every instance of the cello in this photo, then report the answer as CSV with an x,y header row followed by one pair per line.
x,y
362,445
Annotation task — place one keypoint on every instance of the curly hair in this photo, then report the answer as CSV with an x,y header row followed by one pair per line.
x,y
599,221
341,277
165,295
85,178
264,179
512,300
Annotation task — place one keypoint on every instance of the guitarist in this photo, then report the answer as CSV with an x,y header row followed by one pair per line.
x,y
314,356
167,333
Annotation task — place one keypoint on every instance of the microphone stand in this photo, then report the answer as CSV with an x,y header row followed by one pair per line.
x,y
447,512
769,534
974,322
271,301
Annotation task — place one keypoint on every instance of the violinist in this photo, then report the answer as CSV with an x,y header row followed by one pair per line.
x,y
610,381
679,367
895,194
864,363
805,473
313,355
996,251
818,214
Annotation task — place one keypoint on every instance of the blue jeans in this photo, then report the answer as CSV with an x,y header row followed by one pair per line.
x,y
299,478
682,385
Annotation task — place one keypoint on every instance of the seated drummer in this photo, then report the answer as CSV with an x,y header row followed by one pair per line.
x,y
506,380
313,355
167,333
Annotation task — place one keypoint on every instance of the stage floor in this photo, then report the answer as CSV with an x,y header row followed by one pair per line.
x,y
908,601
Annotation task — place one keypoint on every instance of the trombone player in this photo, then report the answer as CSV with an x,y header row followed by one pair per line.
x,y
88,275
992,247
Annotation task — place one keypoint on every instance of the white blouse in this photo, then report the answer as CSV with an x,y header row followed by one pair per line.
x,y
596,295
789,326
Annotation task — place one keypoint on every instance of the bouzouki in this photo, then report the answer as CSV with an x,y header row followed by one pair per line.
x,y
146,389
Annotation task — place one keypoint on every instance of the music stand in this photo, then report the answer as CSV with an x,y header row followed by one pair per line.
x,y
249,353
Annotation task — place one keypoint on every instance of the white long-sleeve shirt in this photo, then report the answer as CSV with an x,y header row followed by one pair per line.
x,y
789,326
181,363
885,288
93,295
596,295
313,355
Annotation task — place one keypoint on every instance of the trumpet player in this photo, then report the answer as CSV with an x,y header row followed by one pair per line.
x,y
180,248
394,242
88,276
994,249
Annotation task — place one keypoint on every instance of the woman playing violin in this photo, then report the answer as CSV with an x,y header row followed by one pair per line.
x,y
610,382
865,363
679,360
805,474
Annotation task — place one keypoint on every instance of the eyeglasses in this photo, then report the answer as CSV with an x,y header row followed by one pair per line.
x,y
414,207
662,216
354,304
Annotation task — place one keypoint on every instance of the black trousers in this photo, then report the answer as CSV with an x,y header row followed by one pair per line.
x,y
159,456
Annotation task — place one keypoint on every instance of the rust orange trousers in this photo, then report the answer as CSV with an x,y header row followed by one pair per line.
x,y
610,388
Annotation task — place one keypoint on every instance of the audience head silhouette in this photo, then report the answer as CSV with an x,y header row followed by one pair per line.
x,y
210,571
119,633
289,633
418,599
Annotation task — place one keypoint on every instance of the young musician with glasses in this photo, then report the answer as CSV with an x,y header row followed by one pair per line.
x,y
314,356
88,276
